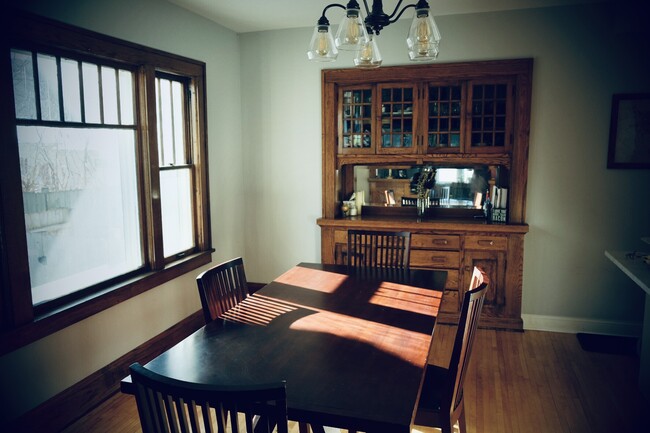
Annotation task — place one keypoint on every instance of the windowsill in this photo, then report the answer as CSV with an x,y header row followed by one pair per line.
x,y
81,309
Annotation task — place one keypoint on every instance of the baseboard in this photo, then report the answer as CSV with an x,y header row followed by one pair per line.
x,y
573,325
69,405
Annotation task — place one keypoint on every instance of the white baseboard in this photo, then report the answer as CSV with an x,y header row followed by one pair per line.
x,y
573,325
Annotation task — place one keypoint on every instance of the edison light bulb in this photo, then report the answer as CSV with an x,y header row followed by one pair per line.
x,y
365,54
424,37
323,47
352,33
352,30
368,56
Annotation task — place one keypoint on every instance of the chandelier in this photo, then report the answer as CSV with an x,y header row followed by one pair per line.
x,y
357,34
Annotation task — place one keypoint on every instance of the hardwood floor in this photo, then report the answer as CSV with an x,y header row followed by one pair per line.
x,y
518,382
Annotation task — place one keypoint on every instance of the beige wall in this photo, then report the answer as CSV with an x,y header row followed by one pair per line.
x,y
264,135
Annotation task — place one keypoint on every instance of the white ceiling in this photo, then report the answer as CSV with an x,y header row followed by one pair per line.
x,y
244,16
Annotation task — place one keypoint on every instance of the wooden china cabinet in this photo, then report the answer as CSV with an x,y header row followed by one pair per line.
x,y
473,115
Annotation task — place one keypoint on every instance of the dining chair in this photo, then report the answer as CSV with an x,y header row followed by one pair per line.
x,y
167,405
441,401
378,249
222,287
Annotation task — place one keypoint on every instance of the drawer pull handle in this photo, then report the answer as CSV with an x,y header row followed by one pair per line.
x,y
440,241
484,242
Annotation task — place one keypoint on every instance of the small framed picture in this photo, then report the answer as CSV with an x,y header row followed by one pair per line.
x,y
629,132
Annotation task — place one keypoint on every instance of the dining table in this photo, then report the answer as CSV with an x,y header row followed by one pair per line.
x,y
351,343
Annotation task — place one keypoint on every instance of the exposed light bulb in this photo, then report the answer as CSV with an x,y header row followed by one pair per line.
x,y
368,56
365,54
323,48
424,37
352,33
424,32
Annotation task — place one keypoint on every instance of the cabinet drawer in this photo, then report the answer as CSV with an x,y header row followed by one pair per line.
x,y
341,237
439,242
450,302
478,242
452,279
435,259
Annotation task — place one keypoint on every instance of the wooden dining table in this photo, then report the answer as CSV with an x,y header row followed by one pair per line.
x,y
351,344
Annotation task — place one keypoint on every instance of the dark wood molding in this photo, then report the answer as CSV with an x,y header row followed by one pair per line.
x,y
73,403
68,315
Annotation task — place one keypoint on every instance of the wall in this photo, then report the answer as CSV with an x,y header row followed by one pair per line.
x,y
44,368
576,207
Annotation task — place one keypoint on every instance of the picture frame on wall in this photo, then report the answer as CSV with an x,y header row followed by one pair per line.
x,y
629,132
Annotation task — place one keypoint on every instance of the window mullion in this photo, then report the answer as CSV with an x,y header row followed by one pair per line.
x,y
150,167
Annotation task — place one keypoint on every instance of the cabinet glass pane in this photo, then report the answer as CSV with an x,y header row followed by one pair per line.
x,y
444,116
489,115
397,117
356,107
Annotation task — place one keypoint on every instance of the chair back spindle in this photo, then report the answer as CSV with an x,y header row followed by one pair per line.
x,y
377,249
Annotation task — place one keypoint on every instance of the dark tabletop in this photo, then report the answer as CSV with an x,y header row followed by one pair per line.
x,y
352,346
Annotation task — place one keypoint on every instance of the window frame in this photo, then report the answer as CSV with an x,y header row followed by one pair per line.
x,y
20,321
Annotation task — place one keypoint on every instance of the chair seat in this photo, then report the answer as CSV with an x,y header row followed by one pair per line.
x,y
431,398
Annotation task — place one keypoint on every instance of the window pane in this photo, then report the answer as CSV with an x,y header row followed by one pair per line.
x,y
177,107
81,207
71,92
48,83
126,97
176,203
23,77
109,94
165,131
91,93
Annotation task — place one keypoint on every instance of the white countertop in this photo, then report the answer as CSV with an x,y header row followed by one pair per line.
x,y
635,268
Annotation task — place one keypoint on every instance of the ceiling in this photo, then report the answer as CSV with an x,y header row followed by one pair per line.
x,y
244,16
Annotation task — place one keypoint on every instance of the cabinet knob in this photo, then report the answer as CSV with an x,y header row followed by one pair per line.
x,y
484,242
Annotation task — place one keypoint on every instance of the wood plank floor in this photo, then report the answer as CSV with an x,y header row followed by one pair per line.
x,y
518,382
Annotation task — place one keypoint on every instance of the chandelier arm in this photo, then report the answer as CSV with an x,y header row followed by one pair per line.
x,y
323,18
395,11
393,20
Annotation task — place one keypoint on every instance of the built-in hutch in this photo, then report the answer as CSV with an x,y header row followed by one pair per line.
x,y
380,126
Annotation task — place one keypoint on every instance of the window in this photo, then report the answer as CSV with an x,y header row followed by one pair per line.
x,y
105,149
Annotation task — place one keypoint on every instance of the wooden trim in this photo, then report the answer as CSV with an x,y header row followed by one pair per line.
x,y
76,401
84,308
15,303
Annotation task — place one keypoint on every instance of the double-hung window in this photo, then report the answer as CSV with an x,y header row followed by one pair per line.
x,y
104,184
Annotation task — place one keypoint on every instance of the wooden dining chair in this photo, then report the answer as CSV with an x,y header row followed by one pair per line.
x,y
222,287
441,401
378,249
167,405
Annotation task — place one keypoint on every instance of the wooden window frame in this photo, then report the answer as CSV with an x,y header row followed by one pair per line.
x,y
20,322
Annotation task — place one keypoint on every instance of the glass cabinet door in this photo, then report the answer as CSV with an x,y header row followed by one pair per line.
x,y
490,114
355,130
398,105
444,118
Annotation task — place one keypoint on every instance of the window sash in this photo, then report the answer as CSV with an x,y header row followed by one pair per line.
x,y
30,33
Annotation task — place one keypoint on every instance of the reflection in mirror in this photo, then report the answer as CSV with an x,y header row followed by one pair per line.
x,y
455,187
